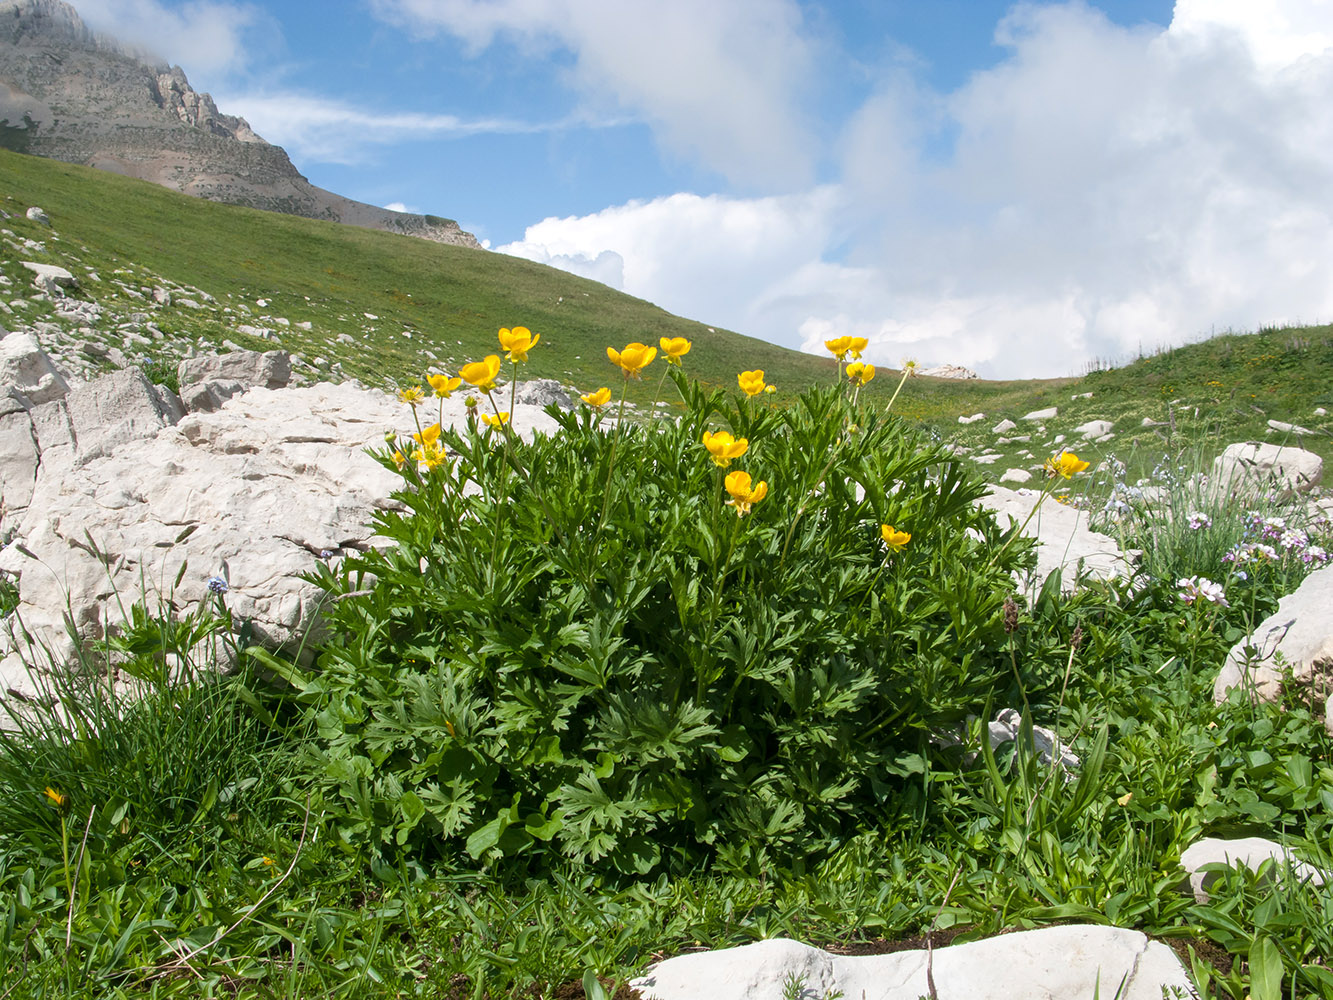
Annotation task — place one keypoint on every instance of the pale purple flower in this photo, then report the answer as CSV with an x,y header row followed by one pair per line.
x,y
1199,520
217,585
1200,588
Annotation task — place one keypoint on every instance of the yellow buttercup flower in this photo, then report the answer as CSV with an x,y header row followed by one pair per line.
x,y
429,436
723,447
896,540
518,341
742,495
675,348
752,383
399,459
412,396
839,347
443,385
857,344
860,373
482,373
499,420
57,799
633,359
597,399
1065,464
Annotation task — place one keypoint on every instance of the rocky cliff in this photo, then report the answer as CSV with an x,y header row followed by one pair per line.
x,y
72,94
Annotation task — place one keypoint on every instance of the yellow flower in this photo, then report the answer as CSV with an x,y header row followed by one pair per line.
x,y
839,346
742,496
482,373
499,420
429,436
267,861
860,373
518,342
723,447
443,385
633,359
412,396
896,540
57,799
1065,464
752,383
1125,799
675,348
399,459
597,399
857,344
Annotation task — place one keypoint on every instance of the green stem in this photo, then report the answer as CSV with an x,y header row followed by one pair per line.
x,y
906,374
714,606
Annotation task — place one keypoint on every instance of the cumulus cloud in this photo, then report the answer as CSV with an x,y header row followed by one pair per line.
x,y
1101,190
207,37
722,83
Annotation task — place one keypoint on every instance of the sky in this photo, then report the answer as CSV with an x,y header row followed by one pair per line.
x,y
1024,189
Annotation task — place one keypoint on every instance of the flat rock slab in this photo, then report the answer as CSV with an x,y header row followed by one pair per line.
x,y
1064,540
1055,963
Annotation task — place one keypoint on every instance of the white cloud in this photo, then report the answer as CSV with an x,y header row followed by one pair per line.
x,y
207,37
724,83
310,127
1102,190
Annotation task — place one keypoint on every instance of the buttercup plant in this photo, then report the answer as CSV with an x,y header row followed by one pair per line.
x,y
638,679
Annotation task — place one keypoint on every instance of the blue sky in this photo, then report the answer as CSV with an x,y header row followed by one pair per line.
x,y
1018,188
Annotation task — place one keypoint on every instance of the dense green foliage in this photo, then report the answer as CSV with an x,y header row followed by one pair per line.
x,y
575,642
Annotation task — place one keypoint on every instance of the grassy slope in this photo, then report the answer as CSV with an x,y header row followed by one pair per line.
x,y
453,300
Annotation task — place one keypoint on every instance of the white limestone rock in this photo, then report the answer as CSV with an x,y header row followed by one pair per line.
x,y
1248,852
542,392
972,419
948,371
37,215
1282,427
1064,540
27,372
1260,465
52,273
1301,630
1094,428
1056,963
263,487
270,369
1015,476
1050,413
1003,426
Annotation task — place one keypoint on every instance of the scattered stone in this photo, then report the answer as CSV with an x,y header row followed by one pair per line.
x,y
1248,852
1080,395
57,276
1262,465
1286,428
1319,411
37,215
542,392
948,371
1050,413
1094,428
1071,962
972,419
988,459
1002,426
1149,422
1301,631
161,296
1007,728
1015,476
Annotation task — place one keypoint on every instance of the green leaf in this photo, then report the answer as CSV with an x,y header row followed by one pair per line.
x,y
1265,970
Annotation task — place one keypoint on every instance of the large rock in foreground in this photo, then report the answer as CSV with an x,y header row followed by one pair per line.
x,y
258,491
1260,466
1056,963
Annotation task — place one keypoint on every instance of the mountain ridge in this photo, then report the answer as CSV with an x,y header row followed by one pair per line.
x,y
70,93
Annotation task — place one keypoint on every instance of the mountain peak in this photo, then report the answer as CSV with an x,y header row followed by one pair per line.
x,y
74,94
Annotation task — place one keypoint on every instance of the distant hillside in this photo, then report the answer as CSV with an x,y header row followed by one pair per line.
x,y
71,94
349,302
